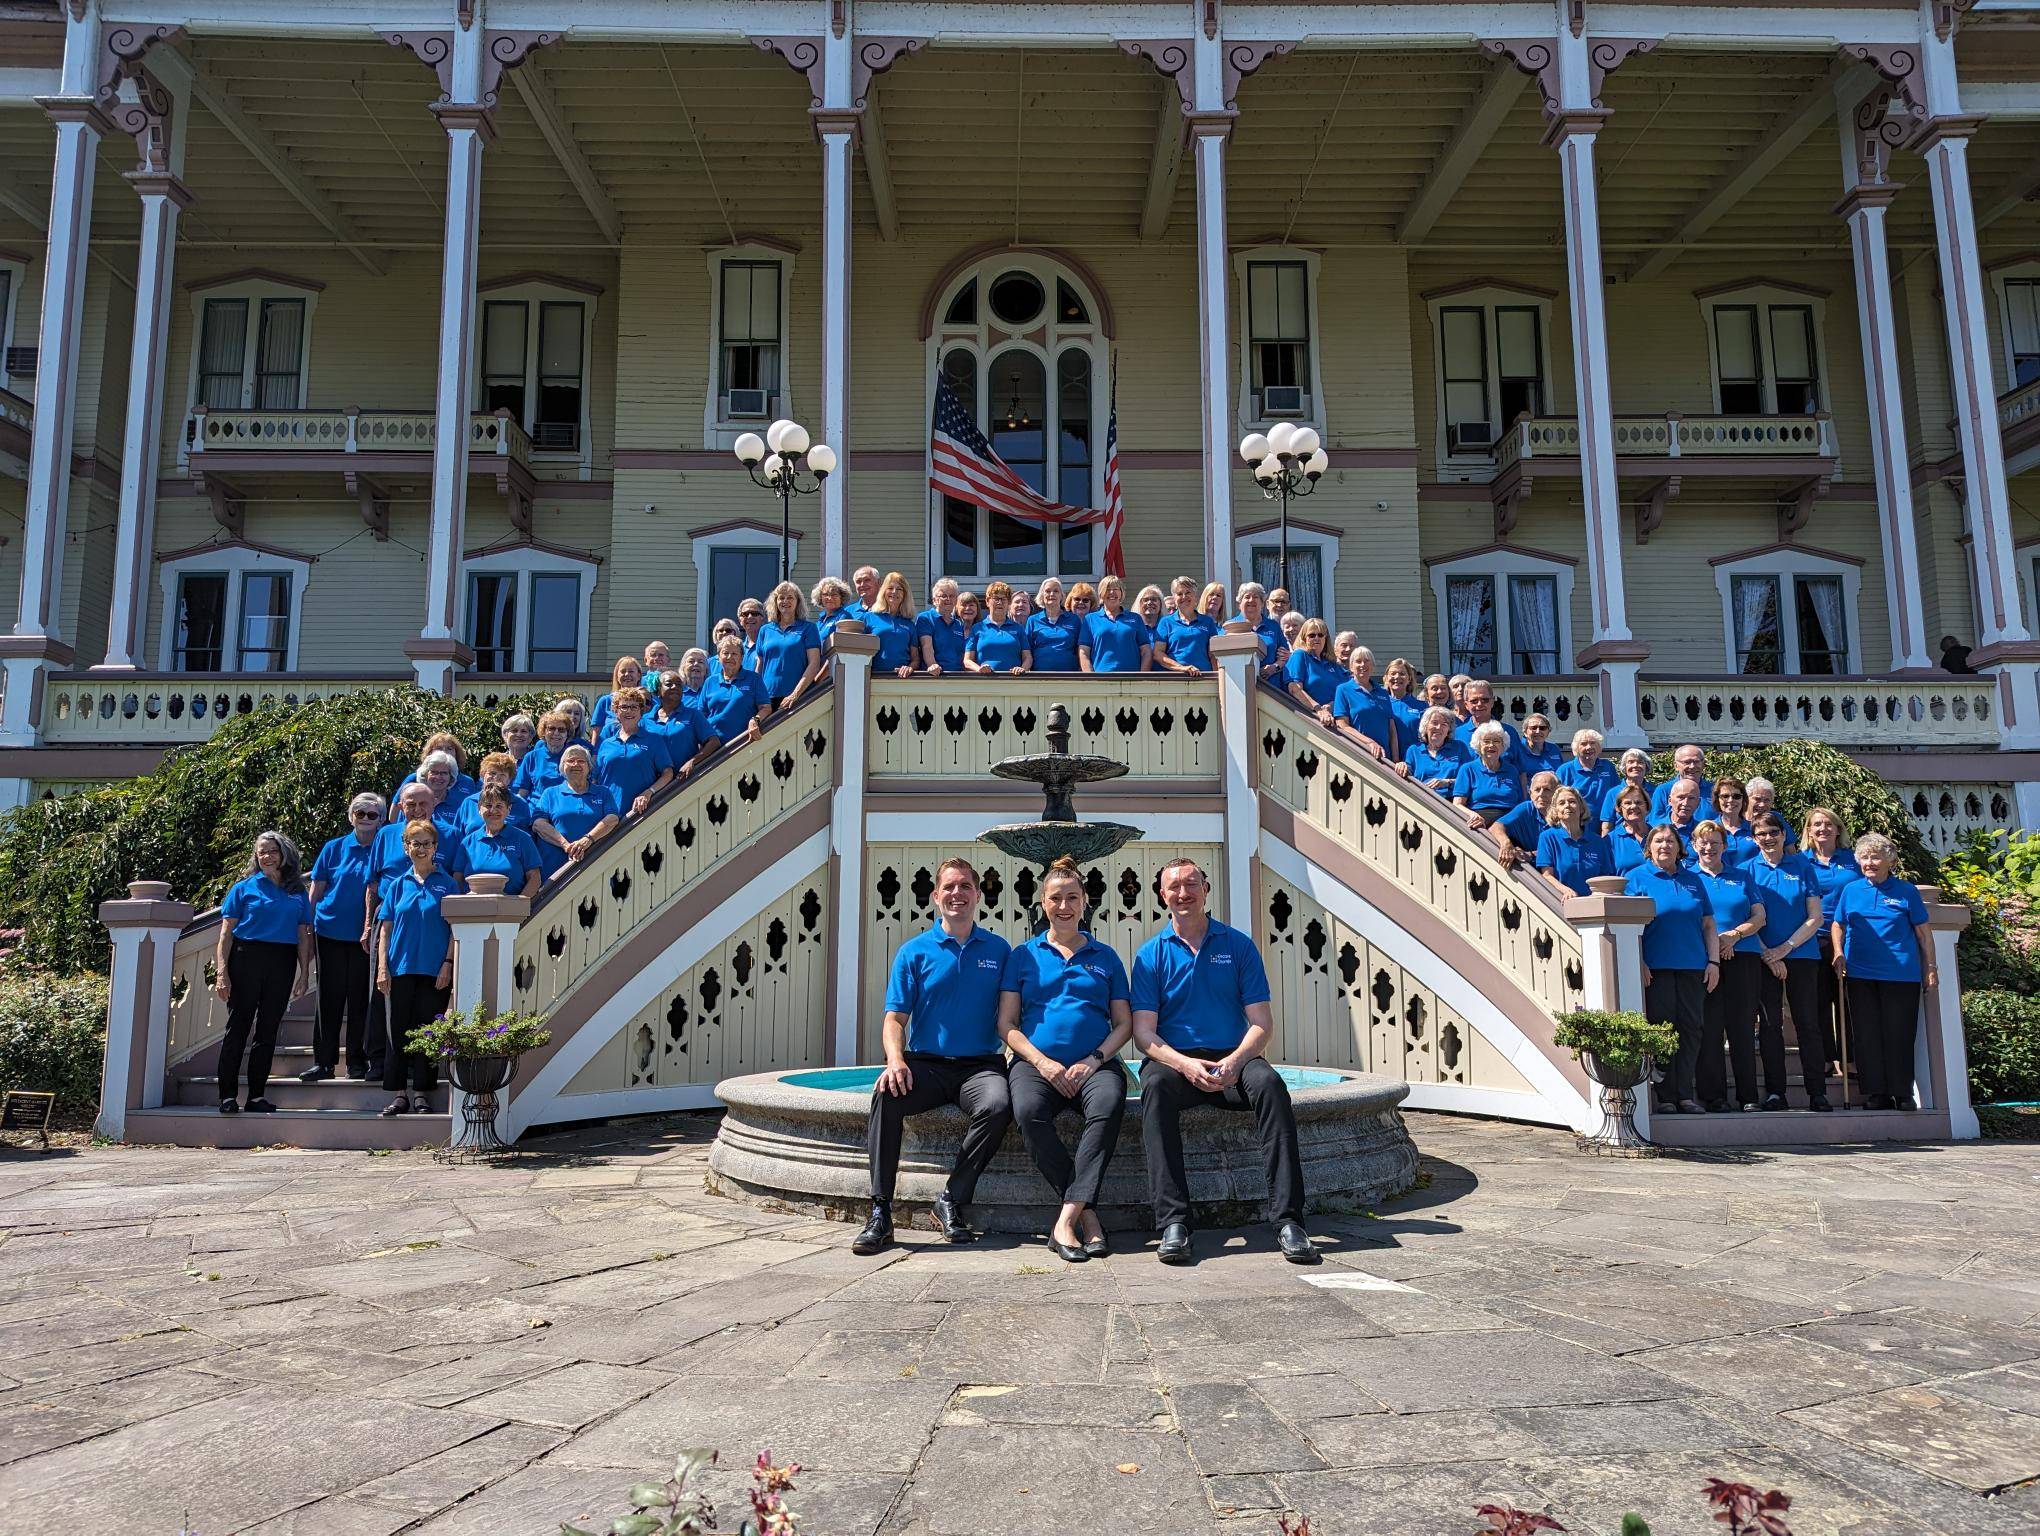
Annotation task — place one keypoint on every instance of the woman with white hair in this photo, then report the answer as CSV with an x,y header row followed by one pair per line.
x,y
1589,772
338,888
1434,758
572,817
788,653
1342,647
1489,786
1053,632
1292,627
1253,601
939,631
577,714
1361,711
459,786
1536,752
520,734
1884,953
1761,798
1635,773
693,673
265,945
733,700
832,598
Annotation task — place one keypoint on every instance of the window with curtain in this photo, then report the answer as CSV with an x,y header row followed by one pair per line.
x,y
1519,354
1278,329
222,354
2022,321
279,350
1464,343
555,639
1759,639
504,324
1306,575
1533,625
1795,380
1823,627
737,573
1741,367
201,623
265,622
750,327
492,620
1470,613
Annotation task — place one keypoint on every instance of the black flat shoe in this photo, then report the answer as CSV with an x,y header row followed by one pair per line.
x,y
229,1107
316,1075
949,1215
397,1106
877,1235
1775,1101
1097,1247
1691,1107
1069,1253
1819,1104
259,1106
1175,1246
1296,1244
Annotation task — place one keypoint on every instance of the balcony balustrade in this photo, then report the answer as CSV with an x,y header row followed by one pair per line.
x,y
1672,436
2019,422
17,424
175,708
1883,712
349,431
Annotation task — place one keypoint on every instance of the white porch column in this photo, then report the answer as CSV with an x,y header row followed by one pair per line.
x,y
1209,130
36,646
851,650
838,133
1867,193
1237,656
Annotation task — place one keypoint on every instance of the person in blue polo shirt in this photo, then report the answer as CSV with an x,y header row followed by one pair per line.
x,y
1312,676
1731,1012
1791,961
453,786
1114,638
1884,952
1589,772
1202,1019
1063,1012
1053,631
890,619
831,598
1536,752
1571,849
1489,786
939,631
265,945
788,653
680,725
1689,764
1682,811
540,767
499,769
1479,699
631,762
1679,968
573,816
1183,635
1834,869
339,889
999,642
1519,829
941,1040
1253,601
1632,773
733,700
414,966
1631,829
494,847
1363,713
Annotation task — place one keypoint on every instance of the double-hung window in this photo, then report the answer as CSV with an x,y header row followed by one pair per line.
x,y
1503,612
1492,368
231,608
749,357
1764,340
534,359
268,375
527,609
2020,300
1278,339
1789,611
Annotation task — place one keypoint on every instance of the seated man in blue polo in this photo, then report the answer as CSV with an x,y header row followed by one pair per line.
x,y
941,1047
1201,1017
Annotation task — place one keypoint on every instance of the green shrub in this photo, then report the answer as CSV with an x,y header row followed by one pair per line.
x,y
474,1034
1619,1041
193,820
53,1035
2002,1031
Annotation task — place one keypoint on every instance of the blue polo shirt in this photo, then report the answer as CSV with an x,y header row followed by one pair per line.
x,y
1685,832
1367,712
263,912
948,636
998,646
1523,826
1661,800
343,868
1065,1005
462,788
1188,641
1625,850
511,853
1594,786
1740,846
1832,878
605,708
1274,649
1463,734
826,619
1426,766
1200,998
895,634
420,937
1321,676
572,815
1409,713
1489,790
1783,888
949,991
1550,760
1054,641
730,704
1607,807
629,768
386,854
684,733
470,818
1877,928
1573,861
1674,939
1731,898
538,769
780,658
1115,643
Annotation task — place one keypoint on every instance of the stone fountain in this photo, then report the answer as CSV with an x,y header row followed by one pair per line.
x,y
1059,771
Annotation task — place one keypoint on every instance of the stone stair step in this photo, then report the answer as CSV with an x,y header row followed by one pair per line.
x,y
1799,1127
286,1092
314,1129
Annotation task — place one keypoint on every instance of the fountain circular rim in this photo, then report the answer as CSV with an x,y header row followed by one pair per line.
x,y
1068,767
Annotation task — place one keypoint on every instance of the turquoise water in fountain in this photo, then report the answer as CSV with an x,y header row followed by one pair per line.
x,y
863,1079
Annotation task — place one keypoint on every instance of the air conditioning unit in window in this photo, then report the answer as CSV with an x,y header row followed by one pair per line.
x,y
1470,436
747,404
1282,400
21,362
556,437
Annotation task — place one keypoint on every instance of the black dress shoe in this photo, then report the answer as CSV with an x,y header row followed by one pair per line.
x,y
950,1216
1296,1244
877,1235
1175,1247
1098,1247
1775,1101
316,1075
1878,1101
229,1107
1819,1104
1691,1107
259,1106
1069,1253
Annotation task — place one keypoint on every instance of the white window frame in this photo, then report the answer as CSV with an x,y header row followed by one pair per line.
x,y
235,562
1763,297
532,292
717,431
525,561
1498,565
1488,298
1047,340
2026,270
1788,563
737,535
254,289
1243,408
15,265
1326,545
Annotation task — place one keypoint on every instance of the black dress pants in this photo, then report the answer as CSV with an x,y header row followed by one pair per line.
x,y
343,1005
1884,1018
976,1084
414,1000
1100,1099
259,978
1828,1015
1679,998
1730,1014
1260,1091
1799,990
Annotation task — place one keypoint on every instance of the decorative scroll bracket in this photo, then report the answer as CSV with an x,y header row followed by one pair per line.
x,y
1795,508
1898,64
501,50
1605,55
1948,16
375,503
872,57
229,506
1538,58
1650,512
1177,59
1507,501
147,119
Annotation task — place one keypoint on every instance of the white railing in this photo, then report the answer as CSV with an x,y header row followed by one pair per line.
x,y
1672,436
1161,726
169,709
16,411
1946,813
2021,404
1570,702
349,431
1841,711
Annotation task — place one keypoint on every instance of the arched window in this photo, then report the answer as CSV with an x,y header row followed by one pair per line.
x,y
1022,341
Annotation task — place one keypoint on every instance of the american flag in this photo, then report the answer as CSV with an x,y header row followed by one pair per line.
x,y
963,465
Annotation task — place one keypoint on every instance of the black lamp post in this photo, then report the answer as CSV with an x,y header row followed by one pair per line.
x,y
775,462
1287,462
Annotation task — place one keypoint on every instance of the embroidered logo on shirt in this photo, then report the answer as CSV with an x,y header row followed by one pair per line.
x,y
1221,959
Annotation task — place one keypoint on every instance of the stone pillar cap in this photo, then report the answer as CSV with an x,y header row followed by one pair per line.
x,y
1245,643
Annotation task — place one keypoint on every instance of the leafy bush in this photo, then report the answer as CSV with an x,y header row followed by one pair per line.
x,y
193,820
1619,1041
2003,1034
469,1034
53,1035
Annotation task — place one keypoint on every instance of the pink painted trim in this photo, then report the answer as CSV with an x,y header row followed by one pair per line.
x,y
255,274
1801,549
512,279
1498,548
730,525
525,541
1296,523
766,242
1759,282
164,557
1507,285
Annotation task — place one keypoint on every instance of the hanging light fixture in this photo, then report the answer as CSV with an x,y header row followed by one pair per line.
x,y
1017,419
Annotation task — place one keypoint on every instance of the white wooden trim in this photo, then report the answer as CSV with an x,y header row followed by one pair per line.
x,y
532,295
1763,297
963,827
2017,271
1326,544
1500,564
525,561
233,561
717,431
1486,299
1244,418
742,536
254,290
1788,565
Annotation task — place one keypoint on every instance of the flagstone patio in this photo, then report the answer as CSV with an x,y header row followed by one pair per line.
x,y
342,1344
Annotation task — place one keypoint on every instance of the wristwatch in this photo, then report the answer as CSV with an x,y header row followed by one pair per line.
x,y
1096,1056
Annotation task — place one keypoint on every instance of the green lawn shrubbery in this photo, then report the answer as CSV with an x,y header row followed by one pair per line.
x,y
52,1035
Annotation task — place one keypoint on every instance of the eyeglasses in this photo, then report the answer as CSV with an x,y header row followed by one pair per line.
x,y
362,815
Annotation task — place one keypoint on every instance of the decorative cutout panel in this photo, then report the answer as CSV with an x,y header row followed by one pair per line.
x,y
1162,727
1947,813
